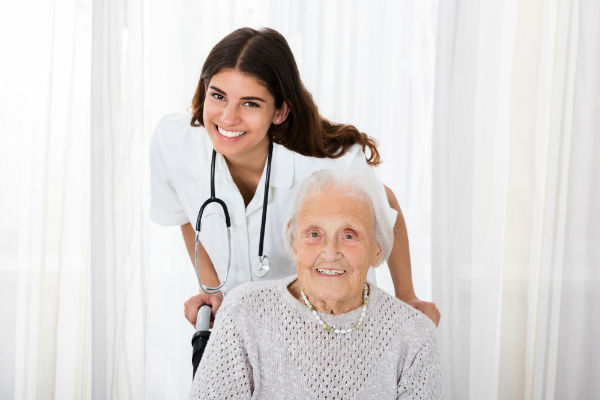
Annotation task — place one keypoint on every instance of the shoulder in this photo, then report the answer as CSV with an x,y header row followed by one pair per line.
x,y
175,131
180,146
174,120
352,158
172,125
352,154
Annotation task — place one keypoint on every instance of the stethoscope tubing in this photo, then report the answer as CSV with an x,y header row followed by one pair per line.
x,y
263,221
214,199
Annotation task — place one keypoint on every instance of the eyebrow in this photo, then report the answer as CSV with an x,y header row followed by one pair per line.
x,y
347,227
253,98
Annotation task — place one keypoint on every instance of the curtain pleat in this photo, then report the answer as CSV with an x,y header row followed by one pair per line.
x,y
119,214
45,252
509,108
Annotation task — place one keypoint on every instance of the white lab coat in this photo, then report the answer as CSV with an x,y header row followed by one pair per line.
x,y
180,183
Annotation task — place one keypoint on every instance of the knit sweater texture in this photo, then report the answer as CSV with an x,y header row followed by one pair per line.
x,y
267,345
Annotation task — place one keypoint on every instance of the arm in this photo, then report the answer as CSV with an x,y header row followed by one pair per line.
x,y
167,209
399,264
420,375
207,273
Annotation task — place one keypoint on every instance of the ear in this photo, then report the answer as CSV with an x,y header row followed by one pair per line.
x,y
281,114
289,238
377,258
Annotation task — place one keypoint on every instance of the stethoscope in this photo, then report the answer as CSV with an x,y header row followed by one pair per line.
x,y
260,264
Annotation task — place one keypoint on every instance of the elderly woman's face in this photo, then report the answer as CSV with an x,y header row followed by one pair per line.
x,y
334,245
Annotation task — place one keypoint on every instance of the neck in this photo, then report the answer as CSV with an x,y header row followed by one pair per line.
x,y
252,161
328,306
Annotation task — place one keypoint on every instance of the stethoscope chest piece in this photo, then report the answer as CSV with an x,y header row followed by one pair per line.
x,y
261,266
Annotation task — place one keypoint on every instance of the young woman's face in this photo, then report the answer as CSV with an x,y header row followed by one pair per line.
x,y
238,111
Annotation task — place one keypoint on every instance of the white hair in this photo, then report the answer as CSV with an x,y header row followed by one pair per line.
x,y
352,184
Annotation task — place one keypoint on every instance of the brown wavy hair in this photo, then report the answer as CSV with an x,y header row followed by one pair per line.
x,y
266,55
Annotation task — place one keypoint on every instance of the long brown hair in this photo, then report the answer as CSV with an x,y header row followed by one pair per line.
x,y
266,55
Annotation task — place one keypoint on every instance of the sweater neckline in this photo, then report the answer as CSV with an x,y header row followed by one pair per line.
x,y
337,320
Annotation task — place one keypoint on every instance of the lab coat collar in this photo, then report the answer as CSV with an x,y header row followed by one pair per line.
x,y
282,167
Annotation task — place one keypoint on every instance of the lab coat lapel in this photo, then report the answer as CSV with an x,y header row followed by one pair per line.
x,y
282,176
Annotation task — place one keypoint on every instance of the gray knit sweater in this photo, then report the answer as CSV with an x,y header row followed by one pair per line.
x,y
267,345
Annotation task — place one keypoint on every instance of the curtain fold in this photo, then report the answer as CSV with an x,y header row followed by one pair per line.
x,y
45,251
575,361
507,179
119,213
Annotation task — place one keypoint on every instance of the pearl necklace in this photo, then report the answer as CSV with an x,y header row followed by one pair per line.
x,y
331,328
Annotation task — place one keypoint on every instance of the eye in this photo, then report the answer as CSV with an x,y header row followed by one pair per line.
x,y
350,234
218,96
314,234
251,104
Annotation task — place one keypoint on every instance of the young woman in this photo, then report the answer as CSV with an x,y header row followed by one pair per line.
x,y
252,109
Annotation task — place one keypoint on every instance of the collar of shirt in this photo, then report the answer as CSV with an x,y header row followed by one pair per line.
x,y
282,175
282,167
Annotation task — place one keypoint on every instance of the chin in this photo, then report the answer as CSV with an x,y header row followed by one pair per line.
x,y
227,149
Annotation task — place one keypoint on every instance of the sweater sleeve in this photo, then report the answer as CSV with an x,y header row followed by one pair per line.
x,y
421,376
224,371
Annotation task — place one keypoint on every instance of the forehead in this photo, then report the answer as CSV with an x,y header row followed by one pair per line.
x,y
234,82
335,207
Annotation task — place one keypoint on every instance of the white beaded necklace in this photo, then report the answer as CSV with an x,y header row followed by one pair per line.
x,y
331,328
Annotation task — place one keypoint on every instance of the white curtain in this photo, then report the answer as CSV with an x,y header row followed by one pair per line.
x,y
119,255
515,193
45,230
575,360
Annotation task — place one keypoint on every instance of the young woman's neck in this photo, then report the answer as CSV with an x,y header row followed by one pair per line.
x,y
246,169
252,161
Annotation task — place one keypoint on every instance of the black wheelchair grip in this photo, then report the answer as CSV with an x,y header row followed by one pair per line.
x,y
199,341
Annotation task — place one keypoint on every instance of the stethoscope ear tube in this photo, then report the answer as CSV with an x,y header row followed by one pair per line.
x,y
213,198
207,202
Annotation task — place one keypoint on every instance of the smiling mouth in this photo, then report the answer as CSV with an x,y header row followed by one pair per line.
x,y
230,134
331,272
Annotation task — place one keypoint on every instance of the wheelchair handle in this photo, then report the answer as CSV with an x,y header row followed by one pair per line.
x,y
203,318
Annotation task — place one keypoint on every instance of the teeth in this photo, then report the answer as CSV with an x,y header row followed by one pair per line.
x,y
331,271
230,134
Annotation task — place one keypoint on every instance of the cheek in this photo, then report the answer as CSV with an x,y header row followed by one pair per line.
x,y
208,109
259,121
360,256
306,255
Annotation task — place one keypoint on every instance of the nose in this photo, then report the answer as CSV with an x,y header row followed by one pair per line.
x,y
230,116
330,251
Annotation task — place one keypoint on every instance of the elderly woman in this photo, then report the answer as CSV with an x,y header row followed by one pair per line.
x,y
327,332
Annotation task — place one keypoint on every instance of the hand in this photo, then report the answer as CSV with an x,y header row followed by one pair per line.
x,y
427,308
193,304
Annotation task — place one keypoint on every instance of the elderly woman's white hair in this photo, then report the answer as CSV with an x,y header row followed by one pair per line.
x,y
353,184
